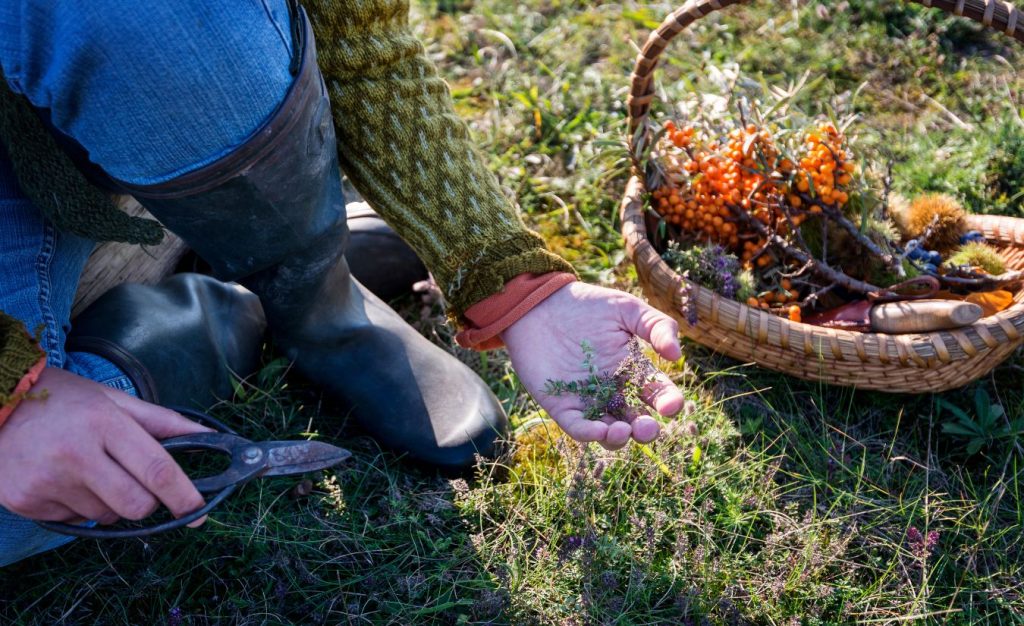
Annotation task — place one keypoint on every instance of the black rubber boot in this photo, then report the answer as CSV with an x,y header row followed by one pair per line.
x,y
378,258
181,342
271,215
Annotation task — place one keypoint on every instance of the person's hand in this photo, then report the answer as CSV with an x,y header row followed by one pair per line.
x,y
545,345
85,451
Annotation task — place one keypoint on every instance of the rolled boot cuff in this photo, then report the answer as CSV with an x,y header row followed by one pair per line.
x,y
143,382
258,169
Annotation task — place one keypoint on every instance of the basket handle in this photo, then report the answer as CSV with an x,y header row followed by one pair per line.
x,y
996,14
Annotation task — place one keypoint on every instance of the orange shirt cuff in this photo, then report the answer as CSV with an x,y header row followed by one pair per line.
x,y
22,388
492,315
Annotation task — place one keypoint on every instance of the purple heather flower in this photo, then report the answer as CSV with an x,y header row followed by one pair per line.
x,y
921,545
616,405
174,617
570,546
728,288
609,581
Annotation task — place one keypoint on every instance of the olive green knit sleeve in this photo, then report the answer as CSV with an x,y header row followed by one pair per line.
x,y
56,187
19,352
409,154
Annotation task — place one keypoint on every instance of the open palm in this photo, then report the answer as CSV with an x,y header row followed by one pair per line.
x,y
546,345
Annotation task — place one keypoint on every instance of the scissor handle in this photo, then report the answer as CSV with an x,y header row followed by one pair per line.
x,y
93,532
248,459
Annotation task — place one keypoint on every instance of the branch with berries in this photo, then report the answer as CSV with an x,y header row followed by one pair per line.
x,y
791,208
833,277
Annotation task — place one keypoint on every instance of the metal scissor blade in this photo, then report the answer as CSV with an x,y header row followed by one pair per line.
x,y
299,457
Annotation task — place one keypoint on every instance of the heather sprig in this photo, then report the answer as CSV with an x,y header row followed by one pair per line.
x,y
711,266
921,545
604,393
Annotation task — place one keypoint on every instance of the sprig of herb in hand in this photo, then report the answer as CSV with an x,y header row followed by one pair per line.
x,y
617,394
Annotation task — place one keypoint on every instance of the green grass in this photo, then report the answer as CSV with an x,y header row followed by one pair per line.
x,y
774,501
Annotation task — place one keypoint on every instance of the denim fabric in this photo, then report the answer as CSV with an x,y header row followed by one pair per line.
x,y
151,90
39,271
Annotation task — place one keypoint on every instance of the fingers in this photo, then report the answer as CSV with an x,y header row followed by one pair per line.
x,y
159,422
50,512
580,428
155,470
641,428
663,395
120,491
653,326
88,506
645,429
618,435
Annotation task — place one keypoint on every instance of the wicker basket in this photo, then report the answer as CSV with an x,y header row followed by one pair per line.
x,y
895,363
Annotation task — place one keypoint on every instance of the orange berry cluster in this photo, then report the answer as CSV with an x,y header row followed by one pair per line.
x,y
785,294
706,181
827,166
680,137
709,183
717,177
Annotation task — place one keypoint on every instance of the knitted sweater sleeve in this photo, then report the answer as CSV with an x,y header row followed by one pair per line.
x,y
21,360
404,148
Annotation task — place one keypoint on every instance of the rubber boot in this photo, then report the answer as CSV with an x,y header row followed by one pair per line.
x,y
271,215
182,342
378,258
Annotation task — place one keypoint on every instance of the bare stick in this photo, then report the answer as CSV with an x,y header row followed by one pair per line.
x,y
812,299
982,283
815,266
837,216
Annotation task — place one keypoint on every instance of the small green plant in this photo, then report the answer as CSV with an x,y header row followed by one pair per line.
x,y
713,267
977,254
986,427
983,167
617,394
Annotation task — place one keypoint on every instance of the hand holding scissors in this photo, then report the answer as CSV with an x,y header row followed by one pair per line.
x,y
249,460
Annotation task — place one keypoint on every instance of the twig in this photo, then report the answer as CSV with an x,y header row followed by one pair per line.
x,y
928,232
832,276
800,272
886,189
812,299
836,216
982,283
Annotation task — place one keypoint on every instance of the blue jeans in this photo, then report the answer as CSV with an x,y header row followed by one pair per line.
x,y
150,91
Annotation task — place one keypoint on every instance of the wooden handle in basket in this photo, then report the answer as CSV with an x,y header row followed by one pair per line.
x,y
923,316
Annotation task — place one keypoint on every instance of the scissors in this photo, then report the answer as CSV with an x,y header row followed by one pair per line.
x,y
249,460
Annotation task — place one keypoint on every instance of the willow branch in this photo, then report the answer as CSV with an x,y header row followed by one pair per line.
x,y
837,216
815,266
982,283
